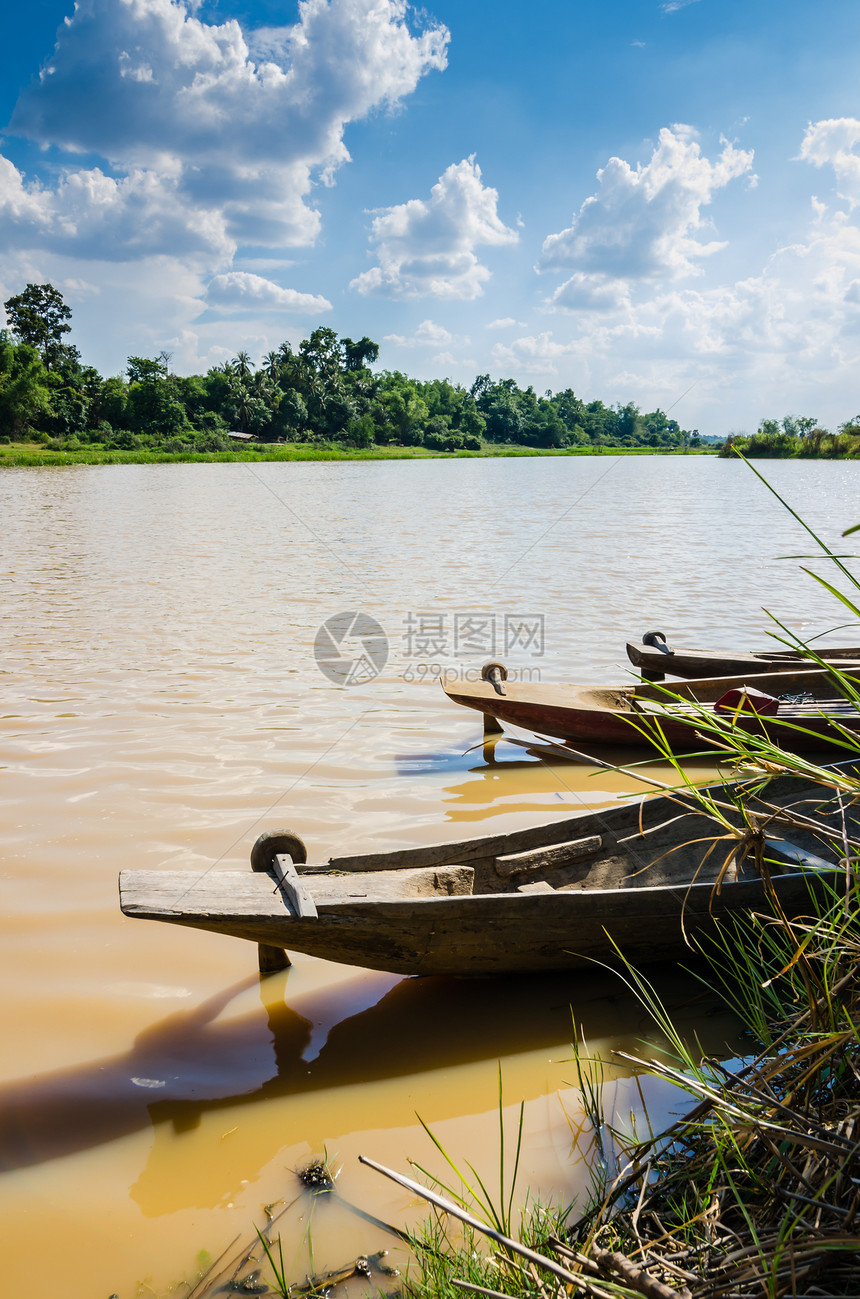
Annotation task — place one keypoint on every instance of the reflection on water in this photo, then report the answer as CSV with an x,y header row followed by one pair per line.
x,y
193,1062
160,705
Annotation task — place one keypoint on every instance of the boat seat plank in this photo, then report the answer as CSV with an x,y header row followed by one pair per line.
x,y
484,848
556,854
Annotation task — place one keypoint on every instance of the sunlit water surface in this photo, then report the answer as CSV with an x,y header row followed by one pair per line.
x,y
161,706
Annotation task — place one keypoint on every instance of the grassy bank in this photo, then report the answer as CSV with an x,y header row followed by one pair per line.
x,y
33,454
754,1192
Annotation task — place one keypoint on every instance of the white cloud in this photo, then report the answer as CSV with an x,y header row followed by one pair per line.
x,y
785,338
591,293
505,322
242,291
834,141
432,334
183,111
206,138
643,221
263,263
427,334
426,247
767,344
540,355
89,214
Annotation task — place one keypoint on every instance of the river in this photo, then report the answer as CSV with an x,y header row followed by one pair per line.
x,y
162,705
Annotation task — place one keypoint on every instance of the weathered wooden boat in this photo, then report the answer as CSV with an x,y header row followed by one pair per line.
x,y
811,713
656,658
643,875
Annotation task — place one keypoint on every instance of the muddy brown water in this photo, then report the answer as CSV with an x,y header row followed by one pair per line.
x,y
161,705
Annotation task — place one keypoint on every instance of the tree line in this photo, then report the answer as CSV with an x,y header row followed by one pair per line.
x,y
796,437
323,392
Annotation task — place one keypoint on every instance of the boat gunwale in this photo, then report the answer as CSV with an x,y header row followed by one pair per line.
x,y
780,879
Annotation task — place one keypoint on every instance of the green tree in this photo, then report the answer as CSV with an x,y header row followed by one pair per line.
x,y
405,411
39,317
25,397
291,417
322,353
152,404
357,356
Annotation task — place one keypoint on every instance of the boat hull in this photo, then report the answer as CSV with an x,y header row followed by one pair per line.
x,y
479,935
640,877
692,664
646,713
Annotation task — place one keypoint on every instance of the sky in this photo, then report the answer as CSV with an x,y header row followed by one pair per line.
x,y
642,201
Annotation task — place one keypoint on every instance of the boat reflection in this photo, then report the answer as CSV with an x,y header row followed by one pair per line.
x,y
201,1061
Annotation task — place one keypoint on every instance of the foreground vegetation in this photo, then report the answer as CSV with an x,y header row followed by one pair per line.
x,y
755,1191
323,395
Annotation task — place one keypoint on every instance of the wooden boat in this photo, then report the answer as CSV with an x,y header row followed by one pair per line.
x,y
656,658
550,897
809,716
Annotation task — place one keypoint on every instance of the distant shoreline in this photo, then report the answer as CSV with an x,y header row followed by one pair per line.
x,y
32,455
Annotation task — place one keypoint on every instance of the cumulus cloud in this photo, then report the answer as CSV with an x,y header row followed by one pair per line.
x,y
534,355
183,106
771,338
426,247
89,214
242,291
754,346
427,334
591,293
643,222
835,141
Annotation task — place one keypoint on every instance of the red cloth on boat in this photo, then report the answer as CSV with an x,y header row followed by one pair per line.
x,y
746,699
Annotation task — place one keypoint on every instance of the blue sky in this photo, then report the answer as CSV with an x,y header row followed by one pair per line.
x,y
649,202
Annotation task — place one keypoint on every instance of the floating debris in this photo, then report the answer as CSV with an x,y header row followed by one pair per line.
x,y
317,1177
250,1284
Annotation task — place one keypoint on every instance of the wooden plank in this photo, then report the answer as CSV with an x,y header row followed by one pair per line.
x,y
294,891
557,854
487,847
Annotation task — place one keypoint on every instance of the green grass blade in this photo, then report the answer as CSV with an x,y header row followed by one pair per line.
x,y
833,591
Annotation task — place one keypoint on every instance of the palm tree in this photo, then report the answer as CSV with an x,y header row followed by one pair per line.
x,y
243,365
272,365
